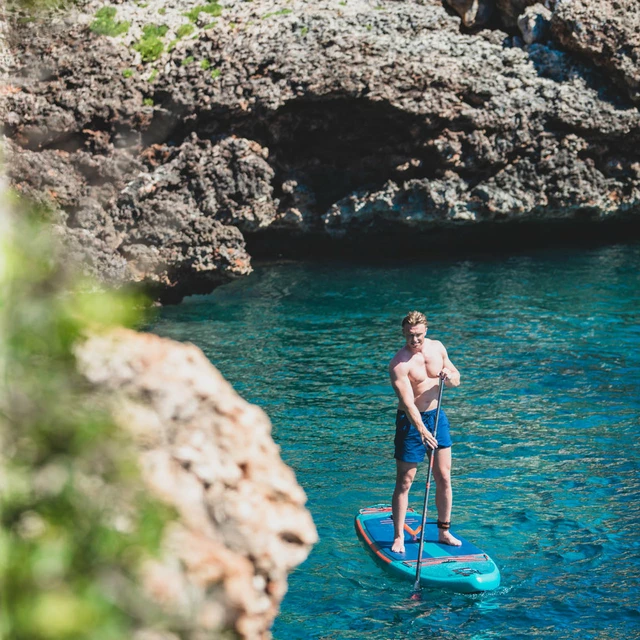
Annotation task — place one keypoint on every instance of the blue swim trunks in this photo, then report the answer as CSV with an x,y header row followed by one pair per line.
x,y
408,443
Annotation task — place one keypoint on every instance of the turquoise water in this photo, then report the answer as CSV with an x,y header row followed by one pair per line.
x,y
546,458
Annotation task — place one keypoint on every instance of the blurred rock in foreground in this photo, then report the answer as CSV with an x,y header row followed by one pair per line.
x,y
242,523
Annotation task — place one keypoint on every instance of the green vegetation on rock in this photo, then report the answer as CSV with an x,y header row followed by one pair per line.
x,y
33,8
216,73
212,8
187,60
150,46
127,73
185,30
281,12
205,64
105,23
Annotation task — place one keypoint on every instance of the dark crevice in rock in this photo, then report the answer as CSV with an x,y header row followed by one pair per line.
x,y
188,286
343,145
79,140
291,537
172,124
488,17
561,128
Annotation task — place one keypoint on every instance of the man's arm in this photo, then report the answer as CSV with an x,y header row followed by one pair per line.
x,y
449,372
402,386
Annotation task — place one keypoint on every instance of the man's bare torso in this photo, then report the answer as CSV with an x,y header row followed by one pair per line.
x,y
422,369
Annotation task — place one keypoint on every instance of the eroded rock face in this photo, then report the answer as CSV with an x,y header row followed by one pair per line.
x,y
160,224
605,31
242,524
320,119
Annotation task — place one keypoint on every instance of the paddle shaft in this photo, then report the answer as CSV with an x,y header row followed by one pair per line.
x,y
416,586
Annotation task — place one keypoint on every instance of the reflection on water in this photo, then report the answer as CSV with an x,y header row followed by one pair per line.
x,y
545,457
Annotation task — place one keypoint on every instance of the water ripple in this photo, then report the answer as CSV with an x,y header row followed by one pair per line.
x,y
546,454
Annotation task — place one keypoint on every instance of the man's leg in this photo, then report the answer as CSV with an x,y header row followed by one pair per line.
x,y
405,473
444,494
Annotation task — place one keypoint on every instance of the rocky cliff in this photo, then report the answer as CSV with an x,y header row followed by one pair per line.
x,y
174,138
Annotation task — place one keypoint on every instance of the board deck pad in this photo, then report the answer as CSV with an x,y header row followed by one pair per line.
x,y
464,569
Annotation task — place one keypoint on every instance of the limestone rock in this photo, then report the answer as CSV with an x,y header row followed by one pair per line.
x,y
242,524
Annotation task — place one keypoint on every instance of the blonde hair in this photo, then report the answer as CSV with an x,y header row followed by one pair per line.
x,y
413,318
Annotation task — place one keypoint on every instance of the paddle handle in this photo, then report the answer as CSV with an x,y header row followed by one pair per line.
x,y
416,586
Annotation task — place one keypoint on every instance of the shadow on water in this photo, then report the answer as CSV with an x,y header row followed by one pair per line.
x,y
477,241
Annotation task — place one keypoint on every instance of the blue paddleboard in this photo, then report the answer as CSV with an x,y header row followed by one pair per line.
x,y
464,569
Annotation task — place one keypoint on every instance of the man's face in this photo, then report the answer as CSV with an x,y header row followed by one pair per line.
x,y
414,335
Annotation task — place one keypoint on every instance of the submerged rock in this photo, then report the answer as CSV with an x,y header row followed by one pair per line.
x,y
322,119
242,525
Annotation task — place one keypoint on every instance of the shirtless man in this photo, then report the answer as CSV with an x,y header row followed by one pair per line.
x,y
415,373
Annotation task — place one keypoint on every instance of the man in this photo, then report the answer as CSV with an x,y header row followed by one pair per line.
x,y
416,371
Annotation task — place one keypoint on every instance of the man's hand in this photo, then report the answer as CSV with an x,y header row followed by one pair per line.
x,y
428,440
445,374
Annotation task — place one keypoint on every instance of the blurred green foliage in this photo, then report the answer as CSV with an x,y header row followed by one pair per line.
x,y
75,520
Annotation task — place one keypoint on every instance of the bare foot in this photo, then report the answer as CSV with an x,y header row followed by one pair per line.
x,y
398,545
444,537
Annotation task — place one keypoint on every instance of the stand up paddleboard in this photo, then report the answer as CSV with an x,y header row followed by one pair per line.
x,y
464,569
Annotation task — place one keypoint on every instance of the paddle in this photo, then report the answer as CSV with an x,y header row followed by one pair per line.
x,y
416,586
